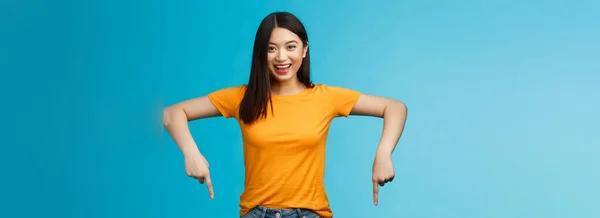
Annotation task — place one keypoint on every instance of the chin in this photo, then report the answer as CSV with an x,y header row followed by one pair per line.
x,y
283,77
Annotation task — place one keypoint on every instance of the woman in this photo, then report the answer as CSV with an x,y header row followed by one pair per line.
x,y
284,119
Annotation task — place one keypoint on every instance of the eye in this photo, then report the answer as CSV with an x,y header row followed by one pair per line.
x,y
291,47
271,48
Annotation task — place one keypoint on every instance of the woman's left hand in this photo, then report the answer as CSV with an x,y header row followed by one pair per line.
x,y
383,172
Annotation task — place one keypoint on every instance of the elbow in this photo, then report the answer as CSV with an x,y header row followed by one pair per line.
x,y
404,108
400,106
169,113
167,116
394,107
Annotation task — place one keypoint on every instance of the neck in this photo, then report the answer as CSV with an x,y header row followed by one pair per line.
x,y
289,87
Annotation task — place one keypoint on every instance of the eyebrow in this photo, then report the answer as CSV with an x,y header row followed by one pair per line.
x,y
272,43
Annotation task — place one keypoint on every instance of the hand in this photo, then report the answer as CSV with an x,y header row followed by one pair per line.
x,y
196,167
383,172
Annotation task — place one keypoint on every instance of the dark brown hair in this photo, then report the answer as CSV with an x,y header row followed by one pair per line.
x,y
258,93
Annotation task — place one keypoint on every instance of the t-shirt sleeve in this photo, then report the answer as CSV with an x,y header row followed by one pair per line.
x,y
227,100
342,99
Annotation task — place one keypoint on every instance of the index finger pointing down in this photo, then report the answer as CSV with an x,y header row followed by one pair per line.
x,y
210,188
375,193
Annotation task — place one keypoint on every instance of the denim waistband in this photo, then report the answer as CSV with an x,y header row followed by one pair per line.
x,y
260,211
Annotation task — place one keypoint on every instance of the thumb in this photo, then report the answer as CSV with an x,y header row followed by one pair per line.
x,y
375,193
210,187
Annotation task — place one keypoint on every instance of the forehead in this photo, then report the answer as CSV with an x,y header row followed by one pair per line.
x,y
282,36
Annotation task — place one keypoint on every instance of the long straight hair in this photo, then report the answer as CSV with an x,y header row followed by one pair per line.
x,y
258,93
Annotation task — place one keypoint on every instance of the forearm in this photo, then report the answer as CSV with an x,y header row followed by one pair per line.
x,y
176,124
394,119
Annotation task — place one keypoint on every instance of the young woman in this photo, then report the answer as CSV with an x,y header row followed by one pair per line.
x,y
284,120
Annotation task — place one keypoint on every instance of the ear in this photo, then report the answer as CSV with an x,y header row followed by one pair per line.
x,y
305,50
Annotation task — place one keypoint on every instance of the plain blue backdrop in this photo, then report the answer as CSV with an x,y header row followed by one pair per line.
x,y
503,98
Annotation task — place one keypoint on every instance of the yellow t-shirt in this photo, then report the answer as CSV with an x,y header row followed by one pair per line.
x,y
284,154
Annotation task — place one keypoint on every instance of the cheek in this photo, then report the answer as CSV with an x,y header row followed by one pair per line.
x,y
296,57
270,57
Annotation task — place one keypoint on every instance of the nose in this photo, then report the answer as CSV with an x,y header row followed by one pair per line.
x,y
281,56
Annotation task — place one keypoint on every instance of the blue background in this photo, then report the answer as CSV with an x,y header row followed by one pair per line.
x,y
503,101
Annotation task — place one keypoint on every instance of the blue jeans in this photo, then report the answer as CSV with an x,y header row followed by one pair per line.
x,y
263,212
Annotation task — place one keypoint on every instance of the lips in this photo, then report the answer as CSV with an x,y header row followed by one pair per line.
x,y
282,68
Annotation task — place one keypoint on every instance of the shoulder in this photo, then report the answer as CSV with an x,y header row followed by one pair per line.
x,y
230,91
341,99
231,94
239,88
334,90
227,100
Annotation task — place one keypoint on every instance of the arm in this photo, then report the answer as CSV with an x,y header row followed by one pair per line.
x,y
176,118
392,111
394,114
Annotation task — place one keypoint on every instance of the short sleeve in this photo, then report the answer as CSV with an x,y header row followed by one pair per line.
x,y
227,100
342,99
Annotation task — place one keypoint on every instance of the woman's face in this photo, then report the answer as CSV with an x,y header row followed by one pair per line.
x,y
285,54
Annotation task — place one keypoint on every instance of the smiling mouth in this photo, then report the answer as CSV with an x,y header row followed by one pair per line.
x,y
282,68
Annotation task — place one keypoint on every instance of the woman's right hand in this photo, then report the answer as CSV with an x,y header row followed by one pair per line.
x,y
196,167
176,118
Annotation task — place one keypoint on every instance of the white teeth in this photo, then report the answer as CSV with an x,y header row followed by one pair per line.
x,y
283,66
